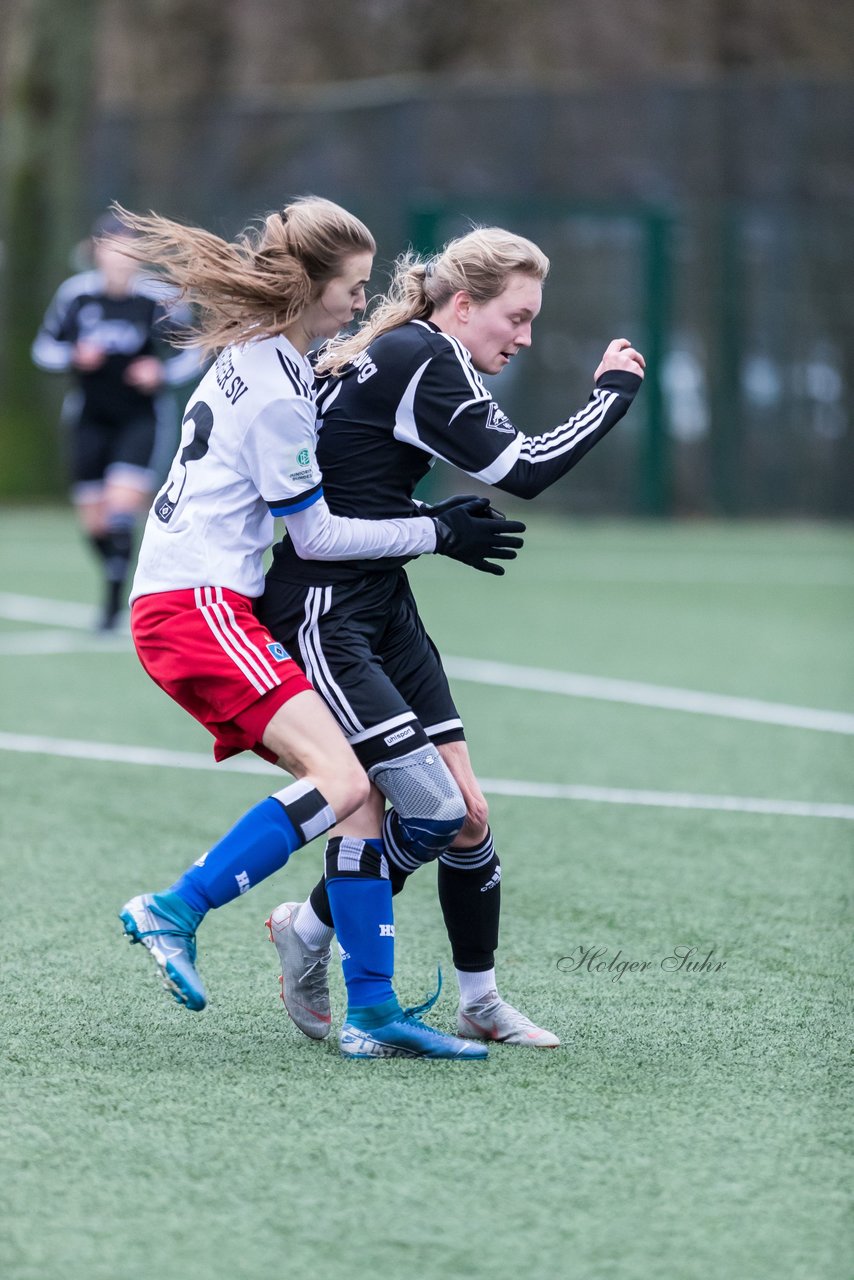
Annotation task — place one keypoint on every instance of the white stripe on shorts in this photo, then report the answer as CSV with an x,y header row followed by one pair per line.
x,y
234,642
433,729
407,717
258,655
317,602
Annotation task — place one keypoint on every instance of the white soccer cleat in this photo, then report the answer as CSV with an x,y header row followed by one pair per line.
x,y
305,974
492,1018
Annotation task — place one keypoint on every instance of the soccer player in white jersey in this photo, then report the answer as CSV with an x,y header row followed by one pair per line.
x,y
405,390
247,454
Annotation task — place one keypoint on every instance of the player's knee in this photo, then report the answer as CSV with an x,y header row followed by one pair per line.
x,y
429,809
413,841
426,838
351,789
346,786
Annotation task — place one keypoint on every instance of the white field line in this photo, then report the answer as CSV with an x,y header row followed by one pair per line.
x,y
111,753
474,670
54,613
22,644
572,685
617,573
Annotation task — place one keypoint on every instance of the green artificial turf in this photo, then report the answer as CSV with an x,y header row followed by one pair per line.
x,y
691,1126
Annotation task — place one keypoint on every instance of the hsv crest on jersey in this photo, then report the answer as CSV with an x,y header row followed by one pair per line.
x,y
278,652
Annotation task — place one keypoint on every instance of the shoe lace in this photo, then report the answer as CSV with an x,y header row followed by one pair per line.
x,y
175,932
314,970
413,1013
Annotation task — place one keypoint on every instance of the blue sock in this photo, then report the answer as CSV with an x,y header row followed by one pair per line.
x,y
368,1017
363,915
259,844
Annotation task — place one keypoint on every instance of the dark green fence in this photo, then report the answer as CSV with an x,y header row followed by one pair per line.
x,y
710,223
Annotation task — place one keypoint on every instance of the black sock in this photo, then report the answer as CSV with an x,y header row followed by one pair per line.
x,y
118,544
113,594
470,897
100,544
119,541
319,900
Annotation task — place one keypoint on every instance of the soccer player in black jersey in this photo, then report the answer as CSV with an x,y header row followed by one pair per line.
x,y
404,390
110,328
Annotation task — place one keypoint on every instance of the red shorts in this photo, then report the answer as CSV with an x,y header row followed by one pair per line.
x,y
207,650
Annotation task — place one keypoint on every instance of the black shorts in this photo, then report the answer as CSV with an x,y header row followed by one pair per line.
x,y
364,648
99,446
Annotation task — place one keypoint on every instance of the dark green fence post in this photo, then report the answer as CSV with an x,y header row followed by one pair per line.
x,y
655,489
424,221
726,426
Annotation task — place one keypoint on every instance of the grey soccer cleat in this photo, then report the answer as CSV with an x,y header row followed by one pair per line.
x,y
305,974
492,1018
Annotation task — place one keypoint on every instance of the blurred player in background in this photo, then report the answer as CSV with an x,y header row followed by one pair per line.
x,y
403,391
111,328
247,454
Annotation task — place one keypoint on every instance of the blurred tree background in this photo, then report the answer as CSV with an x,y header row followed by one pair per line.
x,y
687,164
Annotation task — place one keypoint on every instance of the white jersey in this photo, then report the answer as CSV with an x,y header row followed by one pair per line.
x,y
247,454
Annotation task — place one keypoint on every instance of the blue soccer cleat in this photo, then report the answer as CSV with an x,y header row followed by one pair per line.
x,y
166,927
404,1035
407,1037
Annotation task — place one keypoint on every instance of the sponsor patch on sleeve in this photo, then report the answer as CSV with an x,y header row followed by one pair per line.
x,y
497,420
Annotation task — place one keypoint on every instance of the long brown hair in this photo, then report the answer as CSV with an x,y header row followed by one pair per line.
x,y
257,285
478,263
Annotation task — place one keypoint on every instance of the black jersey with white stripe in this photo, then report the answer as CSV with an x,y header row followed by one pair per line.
x,y
141,323
415,396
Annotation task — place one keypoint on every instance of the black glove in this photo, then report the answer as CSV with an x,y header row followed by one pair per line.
x,y
447,504
474,533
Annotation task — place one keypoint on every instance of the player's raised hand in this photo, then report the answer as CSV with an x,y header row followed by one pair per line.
x,y
620,354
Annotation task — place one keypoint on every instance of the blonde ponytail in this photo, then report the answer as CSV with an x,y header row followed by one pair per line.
x,y
258,285
478,263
